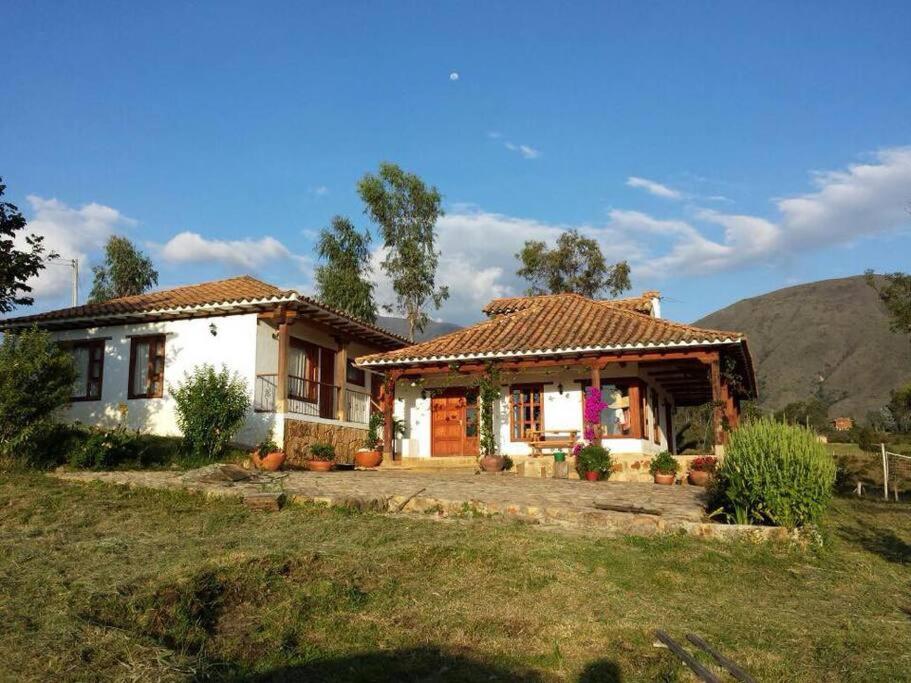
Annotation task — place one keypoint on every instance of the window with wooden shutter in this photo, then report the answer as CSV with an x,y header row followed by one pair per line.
x,y
88,360
147,367
526,410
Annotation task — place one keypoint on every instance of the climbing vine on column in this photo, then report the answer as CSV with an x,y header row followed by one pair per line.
x,y
488,397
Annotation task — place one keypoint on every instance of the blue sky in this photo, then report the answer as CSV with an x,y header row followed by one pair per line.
x,y
725,149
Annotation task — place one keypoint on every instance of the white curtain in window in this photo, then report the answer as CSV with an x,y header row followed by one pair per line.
x,y
81,363
141,368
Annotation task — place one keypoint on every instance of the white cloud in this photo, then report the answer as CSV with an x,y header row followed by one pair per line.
x,y
863,200
250,254
72,233
478,261
526,151
319,190
653,187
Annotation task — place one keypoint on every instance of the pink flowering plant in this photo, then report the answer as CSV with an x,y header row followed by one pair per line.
x,y
591,412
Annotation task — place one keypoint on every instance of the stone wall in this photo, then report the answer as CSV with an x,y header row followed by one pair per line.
x,y
627,466
299,434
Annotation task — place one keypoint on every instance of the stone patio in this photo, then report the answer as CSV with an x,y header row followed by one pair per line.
x,y
552,502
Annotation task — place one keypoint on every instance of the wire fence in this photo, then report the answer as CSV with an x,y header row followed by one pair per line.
x,y
896,473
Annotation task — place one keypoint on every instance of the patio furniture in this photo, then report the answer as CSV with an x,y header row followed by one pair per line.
x,y
551,439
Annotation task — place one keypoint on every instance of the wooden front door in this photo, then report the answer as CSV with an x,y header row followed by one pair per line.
x,y
454,423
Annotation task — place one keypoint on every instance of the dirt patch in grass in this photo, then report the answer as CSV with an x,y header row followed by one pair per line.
x,y
103,582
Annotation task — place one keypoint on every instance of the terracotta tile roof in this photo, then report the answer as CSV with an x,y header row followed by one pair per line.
x,y
511,304
555,323
235,289
244,291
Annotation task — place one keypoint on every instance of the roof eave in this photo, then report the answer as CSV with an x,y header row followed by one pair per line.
x,y
503,355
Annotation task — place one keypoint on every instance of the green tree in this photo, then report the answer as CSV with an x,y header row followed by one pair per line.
x,y
17,265
899,409
896,295
406,211
126,272
36,379
576,264
211,408
343,281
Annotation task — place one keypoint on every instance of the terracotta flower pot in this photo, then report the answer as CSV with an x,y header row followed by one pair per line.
x,y
319,465
592,476
368,458
493,463
699,478
666,479
271,462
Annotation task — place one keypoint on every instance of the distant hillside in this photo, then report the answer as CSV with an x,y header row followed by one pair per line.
x,y
400,326
834,330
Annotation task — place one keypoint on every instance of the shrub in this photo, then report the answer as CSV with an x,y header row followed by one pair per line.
x,y
36,379
776,474
211,407
322,451
104,449
373,430
663,463
594,458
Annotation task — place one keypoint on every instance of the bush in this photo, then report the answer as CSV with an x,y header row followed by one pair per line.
x,y
775,474
36,380
704,463
322,451
663,463
211,407
105,449
594,458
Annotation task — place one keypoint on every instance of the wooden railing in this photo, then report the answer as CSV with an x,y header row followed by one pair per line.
x,y
308,397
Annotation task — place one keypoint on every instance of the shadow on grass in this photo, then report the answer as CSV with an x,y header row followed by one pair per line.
x,y
882,542
418,664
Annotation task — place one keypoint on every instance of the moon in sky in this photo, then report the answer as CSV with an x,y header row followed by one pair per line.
x,y
454,76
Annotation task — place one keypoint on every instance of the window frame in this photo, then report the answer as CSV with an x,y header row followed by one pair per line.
x,y
360,374
89,344
154,341
635,390
531,386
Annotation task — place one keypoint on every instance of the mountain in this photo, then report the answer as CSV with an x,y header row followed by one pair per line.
x,y
833,332
400,326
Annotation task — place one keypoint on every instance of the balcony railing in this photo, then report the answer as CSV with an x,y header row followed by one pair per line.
x,y
308,397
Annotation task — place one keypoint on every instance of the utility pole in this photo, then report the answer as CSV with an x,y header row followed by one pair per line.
x,y
75,263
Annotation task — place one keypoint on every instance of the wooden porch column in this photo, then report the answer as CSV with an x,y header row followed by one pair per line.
x,y
281,382
718,401
341,379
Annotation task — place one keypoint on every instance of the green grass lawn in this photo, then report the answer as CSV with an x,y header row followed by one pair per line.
x,y
106,583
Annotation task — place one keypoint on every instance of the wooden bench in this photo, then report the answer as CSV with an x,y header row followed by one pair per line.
x,y
539,439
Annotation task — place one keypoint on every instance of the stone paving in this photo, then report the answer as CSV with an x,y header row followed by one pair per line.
x,y
552,502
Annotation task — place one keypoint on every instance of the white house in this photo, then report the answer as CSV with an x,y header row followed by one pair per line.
x,y
294,353
547,350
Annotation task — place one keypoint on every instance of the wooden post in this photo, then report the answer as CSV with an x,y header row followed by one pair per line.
x,y
341,379
717,402
281,392
885,454
596,383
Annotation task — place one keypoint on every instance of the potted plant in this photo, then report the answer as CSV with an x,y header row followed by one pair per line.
x,y
702,469
268,456
664,468
593,462
322,456
371,455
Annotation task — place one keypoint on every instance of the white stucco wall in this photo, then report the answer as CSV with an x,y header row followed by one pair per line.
x,y
188,343
561,411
